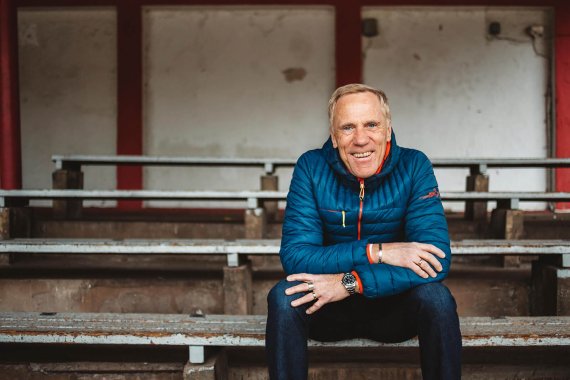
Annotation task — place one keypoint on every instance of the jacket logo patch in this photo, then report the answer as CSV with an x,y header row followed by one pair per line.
x,y
431,194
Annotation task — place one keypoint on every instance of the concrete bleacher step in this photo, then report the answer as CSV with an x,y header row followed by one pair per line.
x,y
180,275
243,339
198,332
72,362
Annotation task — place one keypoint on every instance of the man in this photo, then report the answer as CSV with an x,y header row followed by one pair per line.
x,y
365,246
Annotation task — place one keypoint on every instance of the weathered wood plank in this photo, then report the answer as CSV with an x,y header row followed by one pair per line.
x,y
250,196
227,330
61,161
75,161
253,246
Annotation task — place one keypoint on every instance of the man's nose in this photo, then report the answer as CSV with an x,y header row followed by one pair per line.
x,y
360,136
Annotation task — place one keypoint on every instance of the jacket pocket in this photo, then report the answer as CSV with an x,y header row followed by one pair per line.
x,y
334,217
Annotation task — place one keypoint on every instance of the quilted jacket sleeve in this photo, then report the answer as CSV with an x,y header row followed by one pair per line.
x,y
424,223
302,249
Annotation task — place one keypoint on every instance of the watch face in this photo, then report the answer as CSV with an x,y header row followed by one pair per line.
x,y
349,279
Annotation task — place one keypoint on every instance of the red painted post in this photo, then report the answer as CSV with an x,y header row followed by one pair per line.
x,y
129,91
10,144
348,42
562,63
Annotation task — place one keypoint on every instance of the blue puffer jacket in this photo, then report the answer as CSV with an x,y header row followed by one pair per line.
x,y
322,218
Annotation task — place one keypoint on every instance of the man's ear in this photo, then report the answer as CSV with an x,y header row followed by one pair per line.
x,y
389,132
333,138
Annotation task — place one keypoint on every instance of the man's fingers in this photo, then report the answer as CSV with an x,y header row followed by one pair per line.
x,y
300,277
303,300
424,265
304,287
433,249
316,306
419,270
432,261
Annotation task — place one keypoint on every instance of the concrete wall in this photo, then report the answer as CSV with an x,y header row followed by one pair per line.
x,y
67,61
455,91
254,81
234,82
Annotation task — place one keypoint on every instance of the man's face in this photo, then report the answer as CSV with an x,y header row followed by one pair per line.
x,y
360,132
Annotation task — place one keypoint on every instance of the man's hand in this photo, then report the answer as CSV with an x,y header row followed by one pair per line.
x,y
419,257
325,288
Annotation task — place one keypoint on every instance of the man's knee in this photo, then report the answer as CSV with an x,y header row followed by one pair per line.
x,y
280,302
435,300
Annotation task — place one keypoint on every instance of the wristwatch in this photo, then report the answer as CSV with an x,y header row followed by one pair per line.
x,y
349,283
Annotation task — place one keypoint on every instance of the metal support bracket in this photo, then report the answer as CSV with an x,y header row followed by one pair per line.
x,y
252,203
269,168
233,259
510,204
478,169
197,354
566,260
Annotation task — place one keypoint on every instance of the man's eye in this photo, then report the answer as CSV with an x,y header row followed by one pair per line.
x,y
372,125
347,128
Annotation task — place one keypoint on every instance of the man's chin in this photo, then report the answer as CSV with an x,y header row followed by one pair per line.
x,y
364,173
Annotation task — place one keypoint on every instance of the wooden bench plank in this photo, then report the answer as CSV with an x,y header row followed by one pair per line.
x,y
227,330
232,249
62,160
480,165
76,161
253,247
252,197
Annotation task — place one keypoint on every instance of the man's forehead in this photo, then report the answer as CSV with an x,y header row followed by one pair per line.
x,y
359,105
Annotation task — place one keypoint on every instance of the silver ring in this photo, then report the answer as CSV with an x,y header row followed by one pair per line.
x,y
314,296
311,286
420,262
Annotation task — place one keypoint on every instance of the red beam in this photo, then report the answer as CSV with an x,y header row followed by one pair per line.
x,y
10,149
65,3
348,41
129,95
488,3
562,64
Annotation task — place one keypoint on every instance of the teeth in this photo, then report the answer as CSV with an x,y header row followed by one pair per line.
x,y
361,155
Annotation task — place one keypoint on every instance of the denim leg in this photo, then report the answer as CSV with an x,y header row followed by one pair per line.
x,y
438,330
286,335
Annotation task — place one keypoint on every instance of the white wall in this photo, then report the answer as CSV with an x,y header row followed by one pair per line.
x,y
456,92
67,63
254,81
216,84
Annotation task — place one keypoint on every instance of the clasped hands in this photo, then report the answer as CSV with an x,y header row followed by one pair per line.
x,y
325,288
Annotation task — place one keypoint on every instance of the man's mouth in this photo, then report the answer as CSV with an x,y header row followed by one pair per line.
x,y
361,155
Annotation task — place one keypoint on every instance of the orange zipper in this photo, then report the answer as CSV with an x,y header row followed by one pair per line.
x,y
361,196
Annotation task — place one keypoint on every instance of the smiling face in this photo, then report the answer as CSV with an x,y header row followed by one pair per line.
x,y
360,132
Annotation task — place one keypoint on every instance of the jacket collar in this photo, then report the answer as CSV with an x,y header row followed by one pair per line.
x,y
335,162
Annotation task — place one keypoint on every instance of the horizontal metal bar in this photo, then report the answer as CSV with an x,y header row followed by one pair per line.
x,y
263,162
252,247
142,194
172,161
249,196
501,162
158,329
177,246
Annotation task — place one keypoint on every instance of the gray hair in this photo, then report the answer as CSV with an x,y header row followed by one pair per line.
x,y
355,88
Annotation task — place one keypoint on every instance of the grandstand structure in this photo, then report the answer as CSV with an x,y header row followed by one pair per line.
x,y
128,260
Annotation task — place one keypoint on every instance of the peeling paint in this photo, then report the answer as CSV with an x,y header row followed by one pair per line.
x,y
294,74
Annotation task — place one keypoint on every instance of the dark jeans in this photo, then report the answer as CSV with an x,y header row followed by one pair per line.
x,y
428,311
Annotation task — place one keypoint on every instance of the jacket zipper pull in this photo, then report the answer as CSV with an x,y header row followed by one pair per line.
x,y
361,195
343,218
